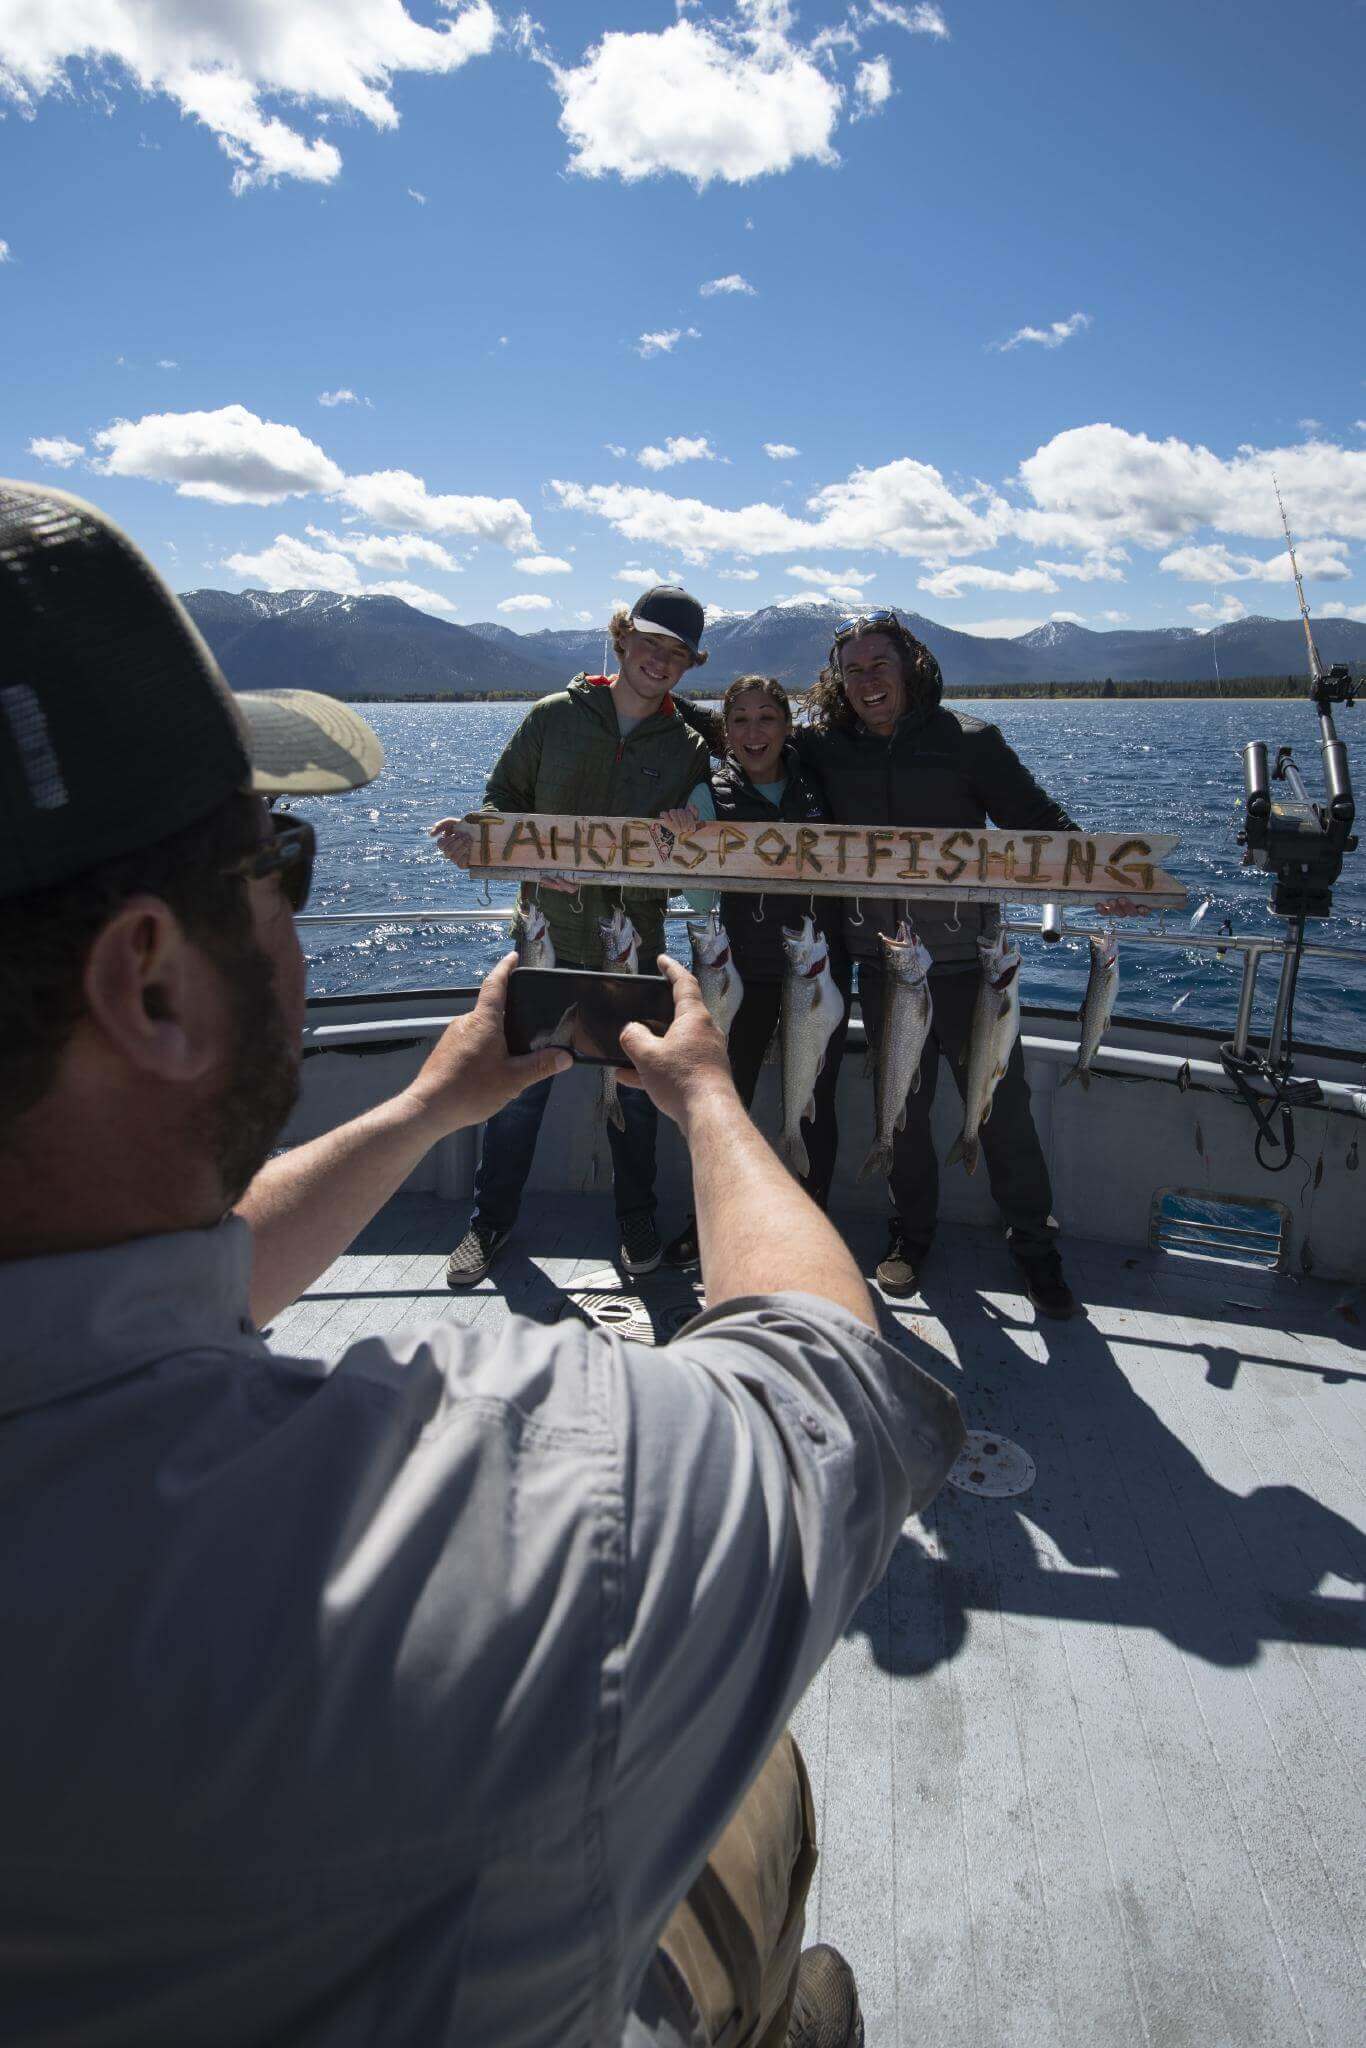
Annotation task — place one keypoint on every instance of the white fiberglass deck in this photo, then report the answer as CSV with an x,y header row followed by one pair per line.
x,y
1089,1764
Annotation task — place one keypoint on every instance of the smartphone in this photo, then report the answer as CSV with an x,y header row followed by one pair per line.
x,y
583,1012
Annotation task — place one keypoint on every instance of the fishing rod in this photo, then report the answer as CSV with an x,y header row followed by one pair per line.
x,y
1301,843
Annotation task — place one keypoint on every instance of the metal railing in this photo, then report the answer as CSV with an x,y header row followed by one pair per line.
x,y
1051,927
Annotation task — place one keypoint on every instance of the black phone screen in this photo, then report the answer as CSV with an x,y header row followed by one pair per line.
x,y
583,1012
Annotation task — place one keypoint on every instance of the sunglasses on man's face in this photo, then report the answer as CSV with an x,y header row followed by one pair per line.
x,y
290,855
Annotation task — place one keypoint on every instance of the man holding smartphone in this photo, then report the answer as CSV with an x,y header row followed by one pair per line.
x,y
430,1694
605,747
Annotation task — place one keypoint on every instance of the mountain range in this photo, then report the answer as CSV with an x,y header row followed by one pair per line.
x,y
382,647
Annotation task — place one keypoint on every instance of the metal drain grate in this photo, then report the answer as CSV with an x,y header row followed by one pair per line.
x,y
666,1302
1235,1230
991,1465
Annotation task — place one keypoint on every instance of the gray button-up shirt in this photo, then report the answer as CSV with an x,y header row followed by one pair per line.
x,y
400,1701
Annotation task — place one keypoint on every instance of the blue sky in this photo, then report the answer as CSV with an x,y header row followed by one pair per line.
x,y
1030,302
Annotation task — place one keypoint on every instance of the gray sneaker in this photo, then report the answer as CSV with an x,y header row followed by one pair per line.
x,y
641,1250
825,2013
898,1270
469,1263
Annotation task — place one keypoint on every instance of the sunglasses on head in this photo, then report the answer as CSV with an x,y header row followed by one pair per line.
x,y
860,622
290,855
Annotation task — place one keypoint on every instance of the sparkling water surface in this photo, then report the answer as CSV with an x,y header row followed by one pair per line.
x,y
1162,765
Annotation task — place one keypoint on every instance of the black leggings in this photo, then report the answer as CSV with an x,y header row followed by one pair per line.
x,y
755,1022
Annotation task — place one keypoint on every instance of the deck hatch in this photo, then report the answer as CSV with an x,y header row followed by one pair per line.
x,y
1238,1230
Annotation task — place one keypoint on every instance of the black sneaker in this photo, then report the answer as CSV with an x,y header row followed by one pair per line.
x,y
469,1263
825,2013
641,1250
1046,1287
899,1271
684,1251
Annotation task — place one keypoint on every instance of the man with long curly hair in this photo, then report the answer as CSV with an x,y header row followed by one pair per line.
x,y
890,752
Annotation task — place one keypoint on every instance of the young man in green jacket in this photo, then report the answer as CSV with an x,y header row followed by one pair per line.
x,y
605,747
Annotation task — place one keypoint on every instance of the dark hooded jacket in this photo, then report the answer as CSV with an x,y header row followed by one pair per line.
x,y
939,767
755,923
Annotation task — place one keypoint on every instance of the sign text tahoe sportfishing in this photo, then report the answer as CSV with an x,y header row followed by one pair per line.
x,y
828,859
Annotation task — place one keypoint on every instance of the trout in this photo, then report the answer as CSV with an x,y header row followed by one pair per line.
x,y
534,947
907,1013
812,1010
995,1027
620,943
722,989
1102,986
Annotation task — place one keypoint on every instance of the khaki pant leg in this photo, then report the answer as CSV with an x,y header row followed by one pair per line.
x,y
737,1937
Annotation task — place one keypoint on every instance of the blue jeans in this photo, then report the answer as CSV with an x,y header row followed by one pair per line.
x,y
510,1145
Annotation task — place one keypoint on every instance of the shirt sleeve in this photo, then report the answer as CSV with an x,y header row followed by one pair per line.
x,y
771,1454
1009,792
511,785
702,900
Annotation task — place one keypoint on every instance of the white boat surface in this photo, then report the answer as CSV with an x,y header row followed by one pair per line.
x,y
1090,1762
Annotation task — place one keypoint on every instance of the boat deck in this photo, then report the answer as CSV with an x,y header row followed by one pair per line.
x,y
1090,1762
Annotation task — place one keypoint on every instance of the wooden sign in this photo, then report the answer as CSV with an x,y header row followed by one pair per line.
x,y
953,863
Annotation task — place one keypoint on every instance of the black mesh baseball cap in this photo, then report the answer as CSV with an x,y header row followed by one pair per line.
x,y
117,727
667,609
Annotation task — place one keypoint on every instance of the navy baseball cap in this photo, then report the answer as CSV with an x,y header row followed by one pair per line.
x,y
668,610
117,727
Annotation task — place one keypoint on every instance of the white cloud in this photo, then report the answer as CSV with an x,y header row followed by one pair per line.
x,y
412,593
290,564
904,507
167,363
1066,619
1310,426
6,255
420,197
1095,569
1001,629
395,497
1052,336
543,565
1223,613
1114,618
666,340
733,283
531,602
1342,611
701,99
917,20
828,578
231,456
387,550
1096,487
787,599
221,64
614,448
56,449
677,448
872,86
633,573
973,576
738,575
344,396
780,451
1319,560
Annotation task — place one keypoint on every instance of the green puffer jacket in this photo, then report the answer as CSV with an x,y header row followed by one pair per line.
x,y
568,756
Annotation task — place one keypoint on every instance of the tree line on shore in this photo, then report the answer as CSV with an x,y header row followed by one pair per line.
x,y
1230,686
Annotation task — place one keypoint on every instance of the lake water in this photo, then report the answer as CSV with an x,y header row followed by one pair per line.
x,y
1163,765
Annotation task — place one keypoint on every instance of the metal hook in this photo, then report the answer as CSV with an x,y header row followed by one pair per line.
x,y
811,906
955,924
487,898
856,914
576,900
759,913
